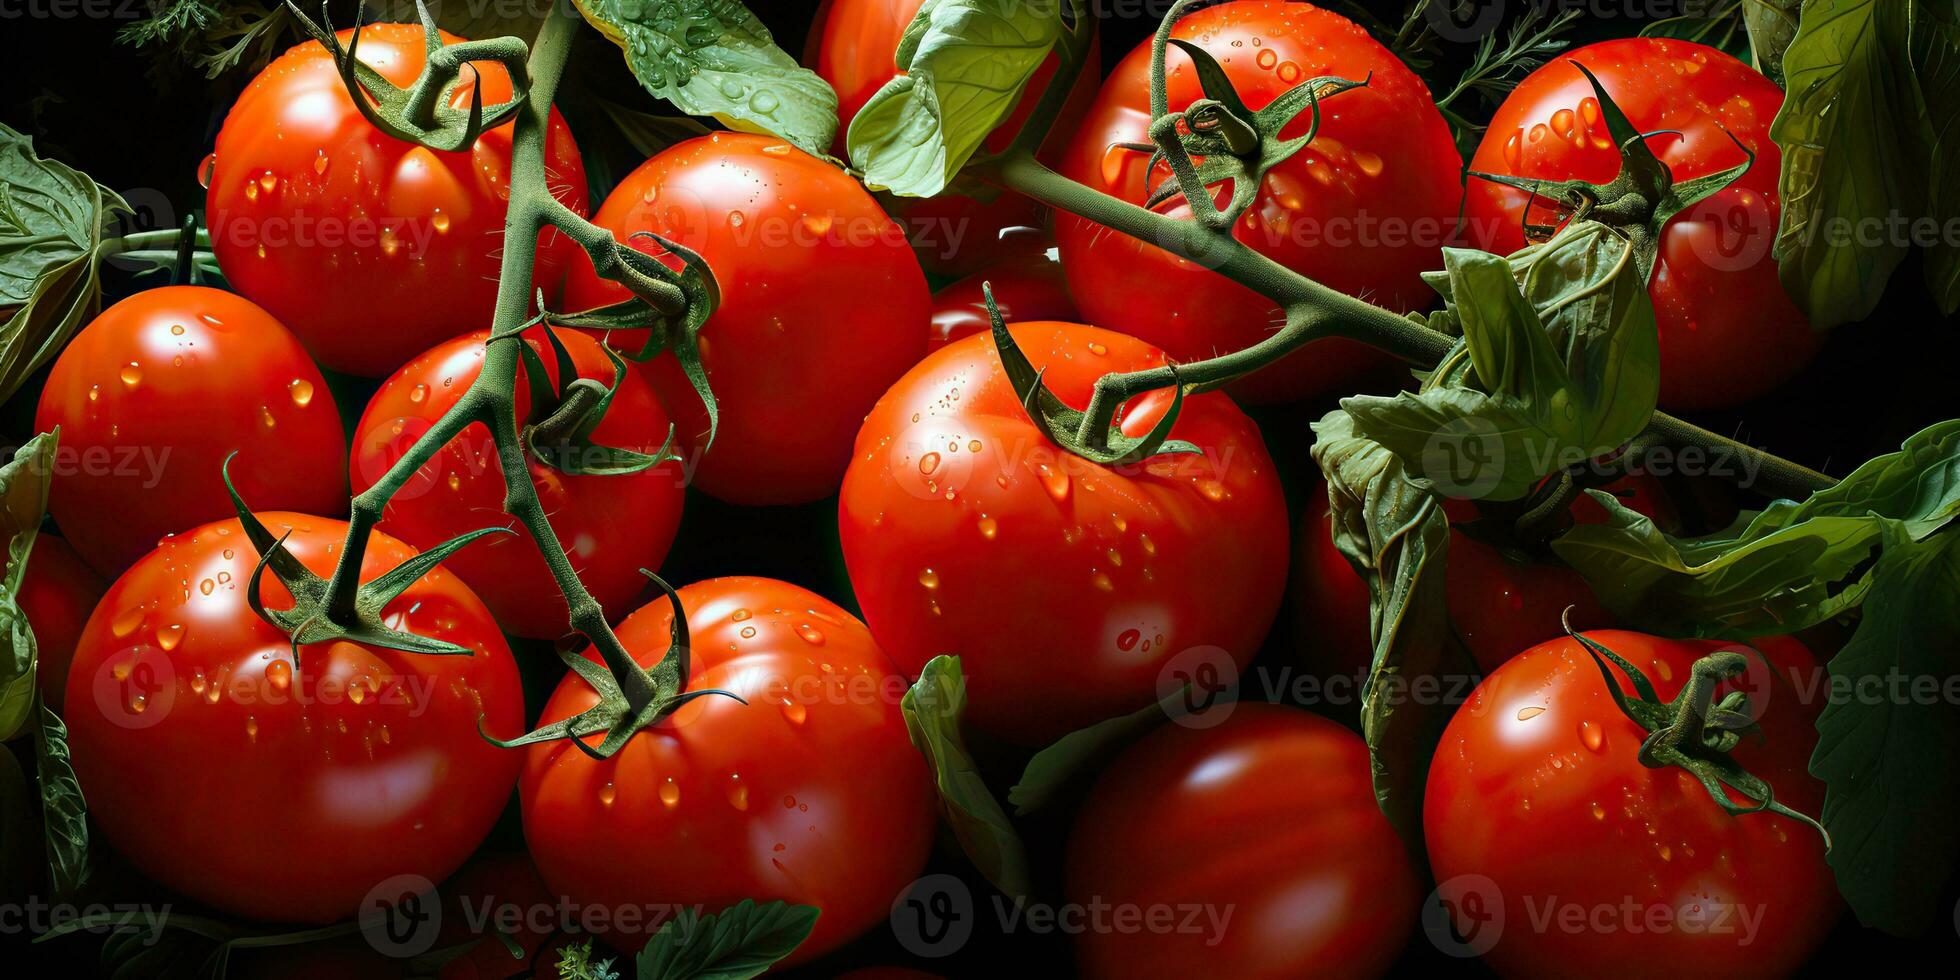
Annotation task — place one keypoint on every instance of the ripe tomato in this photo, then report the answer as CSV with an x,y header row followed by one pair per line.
x,y
1537,787
852,46
810,793
314,782
1728,331
1499,602
1310,880
1067,587
778,228
1362,209
57,593
1027,288
153,396
371,249
610,526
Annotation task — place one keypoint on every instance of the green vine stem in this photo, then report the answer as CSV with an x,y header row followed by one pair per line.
x,y
490,399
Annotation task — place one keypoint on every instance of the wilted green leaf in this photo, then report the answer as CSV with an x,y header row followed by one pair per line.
x,y
932,714
23,502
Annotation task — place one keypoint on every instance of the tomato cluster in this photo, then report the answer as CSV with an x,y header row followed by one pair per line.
x,y
287,779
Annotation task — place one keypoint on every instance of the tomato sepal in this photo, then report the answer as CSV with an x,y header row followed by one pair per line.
x,y
422,114
1066,426
1695,732
313,616
933,708
562,440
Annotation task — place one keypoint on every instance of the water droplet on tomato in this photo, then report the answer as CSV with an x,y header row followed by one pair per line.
x,y
205,167
169,636
738,792
301,390
929,578
988,527
670,793
131,374
1529,712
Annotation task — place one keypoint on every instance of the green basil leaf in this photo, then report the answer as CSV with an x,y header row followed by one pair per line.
x,y
964,63
1851,154
1395,534
1064,763
51,220
932,714
714,58
1789,567
1892,781
1461,442
23,502
737,943
64,811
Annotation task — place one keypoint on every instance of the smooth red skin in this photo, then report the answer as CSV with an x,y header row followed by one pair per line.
x,y
1727,334
1195,313
179,422
853,45
610,526
1498,604
359,308
1067,616
843,308
57,593
1270,813
838,810
1028,288
331,796
1518,801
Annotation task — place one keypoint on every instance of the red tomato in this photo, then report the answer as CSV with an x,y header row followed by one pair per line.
x,y
153,396
1499,602
1537,787
1264,829
811,793
57,593
1067,588
778,228
852,46
610,526
1728,331
313,782
371,249
1362,209
1028,288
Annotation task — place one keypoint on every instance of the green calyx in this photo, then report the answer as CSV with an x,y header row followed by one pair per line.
x,y
671,306
1065,425
563,418
631,697
318,617
1229,140
422,113
1639,201
1695,732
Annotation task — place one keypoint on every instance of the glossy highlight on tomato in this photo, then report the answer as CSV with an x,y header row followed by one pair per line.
x,y
371,249
1728,331
1538,788
1066,587
1362,209
786,235
1265,822
810,793
277,789
610,525
155,394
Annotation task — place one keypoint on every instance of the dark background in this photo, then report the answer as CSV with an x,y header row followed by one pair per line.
x,y
141,127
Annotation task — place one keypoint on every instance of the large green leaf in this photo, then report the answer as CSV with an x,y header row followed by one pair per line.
x,y
737,943
1865,131
933,708
1791,566
1893,784
964,63
1395,534
714,58
51,221
23,502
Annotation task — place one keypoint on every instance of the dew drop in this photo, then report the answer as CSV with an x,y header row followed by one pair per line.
x,y
1128,640
204,169
169,636
301,390
251,728
670,793
439,221
928,463
280,674
131,374
1529,712
1592,736
929,578
988,527
738,792
810,635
